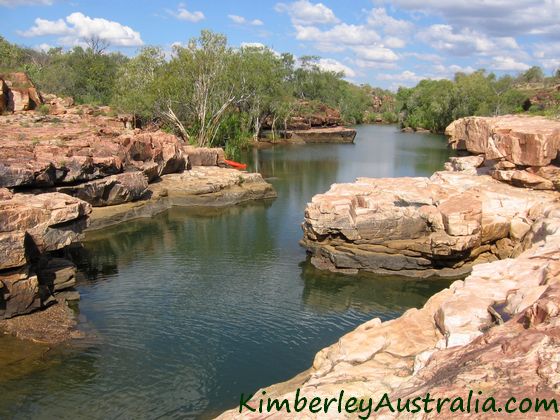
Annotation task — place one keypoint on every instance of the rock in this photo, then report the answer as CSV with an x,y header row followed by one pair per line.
x,y
417,226
19,293
309,115
112,190
20,92
204,156
57,275
3,97
550,173
468,164
526,179
521,140
34,224
324,135
164,149
207,186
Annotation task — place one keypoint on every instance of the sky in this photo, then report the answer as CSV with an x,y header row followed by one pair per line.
x,y
383,43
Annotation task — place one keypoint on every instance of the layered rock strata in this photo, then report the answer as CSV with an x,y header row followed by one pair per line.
x,y
32,227
203,186
516,149
419,227
54,168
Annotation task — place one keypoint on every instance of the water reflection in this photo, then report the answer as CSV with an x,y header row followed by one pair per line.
x,y
193,307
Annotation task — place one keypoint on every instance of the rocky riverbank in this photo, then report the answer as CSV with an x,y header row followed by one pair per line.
x,y
478,210
496,332
74,167
313,123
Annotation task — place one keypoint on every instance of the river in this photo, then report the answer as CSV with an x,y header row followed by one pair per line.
x,y
193,307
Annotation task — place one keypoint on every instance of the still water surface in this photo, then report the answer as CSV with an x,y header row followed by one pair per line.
x,y
193,307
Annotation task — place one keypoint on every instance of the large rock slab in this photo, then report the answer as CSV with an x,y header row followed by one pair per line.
x,y
417,226
202,186
522,140
18,93
110,191
34,224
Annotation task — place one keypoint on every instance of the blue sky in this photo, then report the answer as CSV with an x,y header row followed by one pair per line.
x,y
384,43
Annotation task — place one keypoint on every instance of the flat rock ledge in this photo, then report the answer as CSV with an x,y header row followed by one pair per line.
x,y
419,227
337,134
204,186
495,332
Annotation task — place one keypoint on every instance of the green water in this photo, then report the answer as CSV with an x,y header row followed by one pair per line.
x,y
193,307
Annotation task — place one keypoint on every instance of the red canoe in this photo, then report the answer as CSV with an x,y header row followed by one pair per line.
x,y
236,165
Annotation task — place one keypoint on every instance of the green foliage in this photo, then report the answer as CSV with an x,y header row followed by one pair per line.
x,y
43,109
434,104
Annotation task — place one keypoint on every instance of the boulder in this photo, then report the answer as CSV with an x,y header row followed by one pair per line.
x,y
416,226
112,190
34,224
519,139
20,92
162,148
204,156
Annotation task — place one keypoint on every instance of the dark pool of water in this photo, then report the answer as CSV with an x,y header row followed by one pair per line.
x,y
193,307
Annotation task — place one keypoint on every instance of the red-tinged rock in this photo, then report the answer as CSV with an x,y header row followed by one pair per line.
x,y
32,224
204,156
110,191
522,140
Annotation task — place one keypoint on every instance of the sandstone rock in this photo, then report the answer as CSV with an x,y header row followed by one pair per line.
x,y
468,164
33,224
162,148
416,226
550,173
57,275
324,135
112,190
20,92
522,140
204,156
19,293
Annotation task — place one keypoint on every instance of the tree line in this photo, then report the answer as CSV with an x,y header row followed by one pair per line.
x,y
206,91
212,94
434,104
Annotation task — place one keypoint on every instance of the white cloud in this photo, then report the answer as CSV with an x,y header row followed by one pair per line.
x,y
406,77
376,53
45,27
330,64
379,18
44,47
240,20
494,17
465,41
14,3
508,64
77,27
183,14
342,35
394,42
252,45
303,12
424,56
